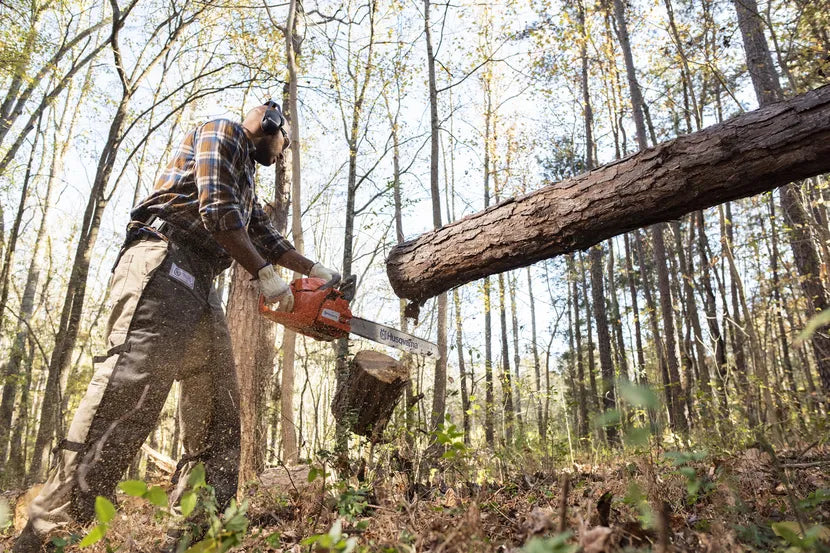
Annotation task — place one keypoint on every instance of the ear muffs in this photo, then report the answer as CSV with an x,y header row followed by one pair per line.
x,y
273,119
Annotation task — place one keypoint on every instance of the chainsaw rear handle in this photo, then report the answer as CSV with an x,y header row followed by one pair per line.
x,y
265,309
335,280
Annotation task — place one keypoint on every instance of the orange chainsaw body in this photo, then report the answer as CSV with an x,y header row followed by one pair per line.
x,y
319,312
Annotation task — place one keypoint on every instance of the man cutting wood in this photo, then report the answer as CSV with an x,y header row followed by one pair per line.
x,y
167,322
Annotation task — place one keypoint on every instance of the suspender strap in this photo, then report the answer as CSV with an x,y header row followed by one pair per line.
x,y
77,447
115,350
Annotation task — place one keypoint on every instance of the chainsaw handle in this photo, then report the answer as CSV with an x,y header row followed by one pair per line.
x,y
263,307
335,280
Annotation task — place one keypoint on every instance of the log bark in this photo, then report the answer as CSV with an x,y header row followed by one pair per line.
x,y
750,154
371,390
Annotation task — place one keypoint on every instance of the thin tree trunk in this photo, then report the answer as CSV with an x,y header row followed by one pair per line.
x,y
592,379
14,234
462,373
632,289
489,430
576,331
293,42
604,340
535,350
516,360
710,309
76,291
651,309
616,318
440,381
786,360
692,318
672,383
506,380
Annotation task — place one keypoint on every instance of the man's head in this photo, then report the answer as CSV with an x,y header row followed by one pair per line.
x,y
268,147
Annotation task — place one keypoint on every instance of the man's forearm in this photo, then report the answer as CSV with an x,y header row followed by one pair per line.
x,y
239,246
296,262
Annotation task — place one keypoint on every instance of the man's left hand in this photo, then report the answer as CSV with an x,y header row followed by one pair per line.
x,y
319,271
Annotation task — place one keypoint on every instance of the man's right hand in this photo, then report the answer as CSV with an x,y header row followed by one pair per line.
x,y
275,289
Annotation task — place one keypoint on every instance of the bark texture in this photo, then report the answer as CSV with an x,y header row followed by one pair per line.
x,y
749,154
368,396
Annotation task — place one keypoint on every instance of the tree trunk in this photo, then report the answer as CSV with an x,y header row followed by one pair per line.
x,y
768,92
537,376
440,381
710,309
514,322
635,309
651,309
462,373
592,378
786,360
293,43
616,318
489,430
604,340
372,389
506,380
576,352
253,339
672,385
692,318
746,155
76,291
14,233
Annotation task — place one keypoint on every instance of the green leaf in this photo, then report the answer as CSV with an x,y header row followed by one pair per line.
x,y
641,396
556,544
204,546
816,322
157,496
196,479
134,488
610,417
821,495
789,530
104,510
95,535
187,503
273,540
637,437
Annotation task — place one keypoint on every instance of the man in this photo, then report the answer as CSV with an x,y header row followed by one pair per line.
x,y
167,322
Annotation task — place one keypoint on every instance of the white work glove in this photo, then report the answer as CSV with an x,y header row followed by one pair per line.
x,y
319,271
275,289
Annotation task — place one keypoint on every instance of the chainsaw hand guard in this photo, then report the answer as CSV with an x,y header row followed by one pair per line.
x,y
320,310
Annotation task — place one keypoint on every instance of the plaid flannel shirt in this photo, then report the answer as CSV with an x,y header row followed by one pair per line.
x,y
208,187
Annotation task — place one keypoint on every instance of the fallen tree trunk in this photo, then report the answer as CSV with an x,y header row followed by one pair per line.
x,y
749,154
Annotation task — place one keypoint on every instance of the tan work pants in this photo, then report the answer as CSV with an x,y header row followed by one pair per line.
x,y
166,324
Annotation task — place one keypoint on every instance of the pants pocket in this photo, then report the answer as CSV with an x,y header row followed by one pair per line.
x,y
129,279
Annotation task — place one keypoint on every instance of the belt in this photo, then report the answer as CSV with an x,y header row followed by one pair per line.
x,y
215,257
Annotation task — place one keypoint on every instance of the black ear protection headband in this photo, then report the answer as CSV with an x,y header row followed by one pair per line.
x,y
273,120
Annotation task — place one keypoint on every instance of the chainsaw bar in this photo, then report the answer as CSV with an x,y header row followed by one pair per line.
x,y
388,336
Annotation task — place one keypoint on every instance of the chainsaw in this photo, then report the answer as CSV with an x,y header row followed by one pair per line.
x,y
321,311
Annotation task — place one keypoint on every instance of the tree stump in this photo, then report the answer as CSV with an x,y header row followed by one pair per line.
x,y
368,396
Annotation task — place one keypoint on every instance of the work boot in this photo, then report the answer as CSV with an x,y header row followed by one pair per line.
x,y
29,541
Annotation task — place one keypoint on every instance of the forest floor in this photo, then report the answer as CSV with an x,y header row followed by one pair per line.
x,y
746,501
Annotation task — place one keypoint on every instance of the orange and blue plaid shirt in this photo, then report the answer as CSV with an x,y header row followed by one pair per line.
x,y
209,187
